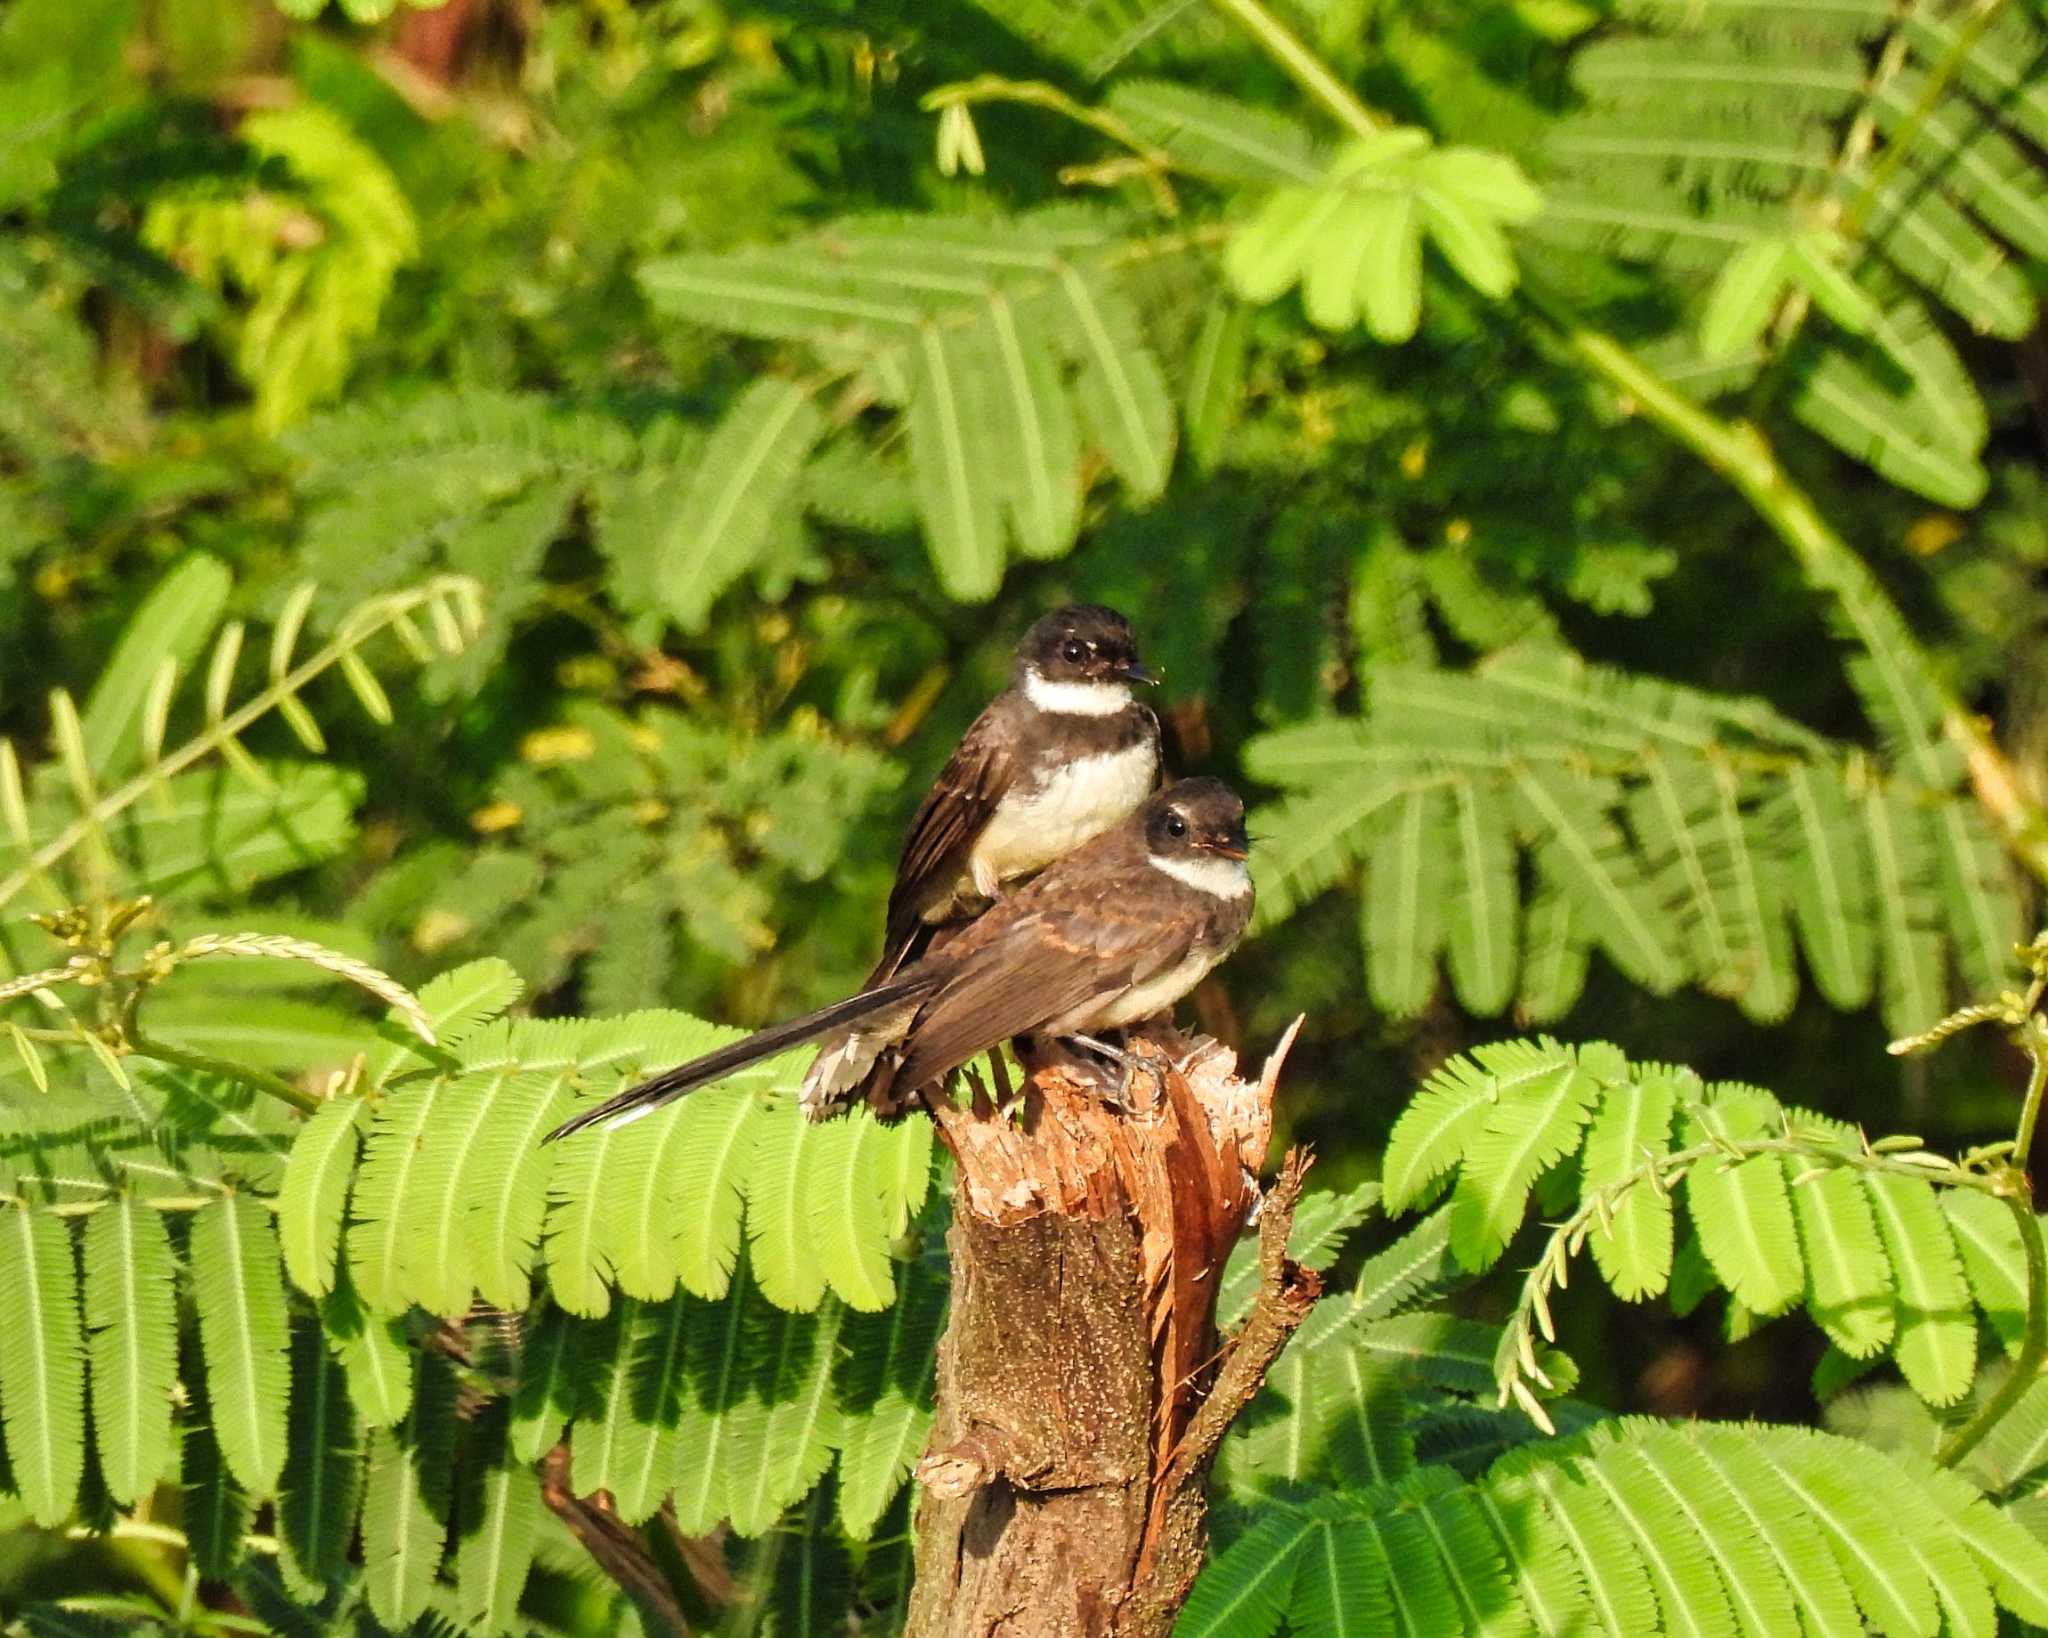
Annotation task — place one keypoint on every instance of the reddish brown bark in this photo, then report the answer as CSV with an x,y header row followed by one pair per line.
x,y
1082,1387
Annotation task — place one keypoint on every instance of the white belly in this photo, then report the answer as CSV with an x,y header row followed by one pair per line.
x,y
1078,803
1143,1000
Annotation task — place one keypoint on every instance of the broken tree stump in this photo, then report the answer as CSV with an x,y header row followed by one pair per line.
x,y
1082,1388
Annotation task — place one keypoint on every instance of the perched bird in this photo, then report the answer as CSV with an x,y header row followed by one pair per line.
x,y
1110,934
1058,757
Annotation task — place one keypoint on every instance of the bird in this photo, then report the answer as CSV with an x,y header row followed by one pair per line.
x,y
1058,757
1106,936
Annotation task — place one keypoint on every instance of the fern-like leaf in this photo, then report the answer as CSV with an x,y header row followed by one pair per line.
x,y
1541,1099
42,1362
1937,1331
315,1188
746,475
238,1288
323,1473
883,1380
132,1325
492,1559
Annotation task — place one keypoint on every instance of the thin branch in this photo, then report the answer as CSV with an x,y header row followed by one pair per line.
x,y
262,1080
619,1551
1287,1292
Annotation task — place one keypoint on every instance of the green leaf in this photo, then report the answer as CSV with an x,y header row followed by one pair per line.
x,y
1746,292
883,1379
238,1287
1632,1240
1403,903
323,1474
718,1130
1811,262
373,1355
458,1003
745,477
1390,274
1482,904
1541,1100
493,1559
1937,1331
1439,1124
406,1502
310,1201
781,1239
42,1362
1243,1590
1989,1242
1215,380
402,1539
849,1213
379,1229
1413,1268
217,1511
1341,1581
1595,1536
171,626
1214,135
1849,1276
545,1396
131,1320
1889,1586
1744,1219
1583,854
783,1444
956,494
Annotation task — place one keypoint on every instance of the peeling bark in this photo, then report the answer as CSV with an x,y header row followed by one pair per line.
x,y
1082,1388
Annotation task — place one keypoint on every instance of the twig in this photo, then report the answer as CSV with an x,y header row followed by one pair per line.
x,y
1287,1292
618,1551
248,1074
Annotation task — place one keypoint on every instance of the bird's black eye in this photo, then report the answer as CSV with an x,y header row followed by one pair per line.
x,y
1073,650
1176,825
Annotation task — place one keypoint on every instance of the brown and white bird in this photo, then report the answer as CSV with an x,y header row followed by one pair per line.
x,y
1057,758
1104,937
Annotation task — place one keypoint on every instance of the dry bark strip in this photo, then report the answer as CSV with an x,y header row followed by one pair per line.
x,y
1082,1388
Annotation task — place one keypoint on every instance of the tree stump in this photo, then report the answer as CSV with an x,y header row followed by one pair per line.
x,y
1082,1389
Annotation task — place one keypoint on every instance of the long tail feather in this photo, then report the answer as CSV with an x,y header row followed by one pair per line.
x,y
671,1084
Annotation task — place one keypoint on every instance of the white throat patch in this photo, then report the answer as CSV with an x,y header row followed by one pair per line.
x,y
1075,699
1219,878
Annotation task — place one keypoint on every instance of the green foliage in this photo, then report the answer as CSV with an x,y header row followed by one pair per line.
x,y
705,437
1685,835
983,341
1636,1527
1755,150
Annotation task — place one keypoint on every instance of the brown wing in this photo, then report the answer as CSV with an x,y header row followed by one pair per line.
x,y
1042,966
943,832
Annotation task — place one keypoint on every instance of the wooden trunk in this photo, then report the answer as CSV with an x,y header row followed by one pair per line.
x,y
1082,1387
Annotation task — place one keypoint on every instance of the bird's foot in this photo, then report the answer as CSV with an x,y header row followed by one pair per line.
x,y
1131,1064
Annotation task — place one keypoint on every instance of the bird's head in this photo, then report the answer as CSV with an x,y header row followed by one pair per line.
x,y
1195,830
1084,645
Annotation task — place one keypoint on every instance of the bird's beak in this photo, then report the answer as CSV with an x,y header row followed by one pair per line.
x,y
1236,848
1134,672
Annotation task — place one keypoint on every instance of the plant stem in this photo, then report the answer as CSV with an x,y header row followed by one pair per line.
x,y
2030,1107
261,1079
1310,72
2026,1367
1900,142
1740,454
